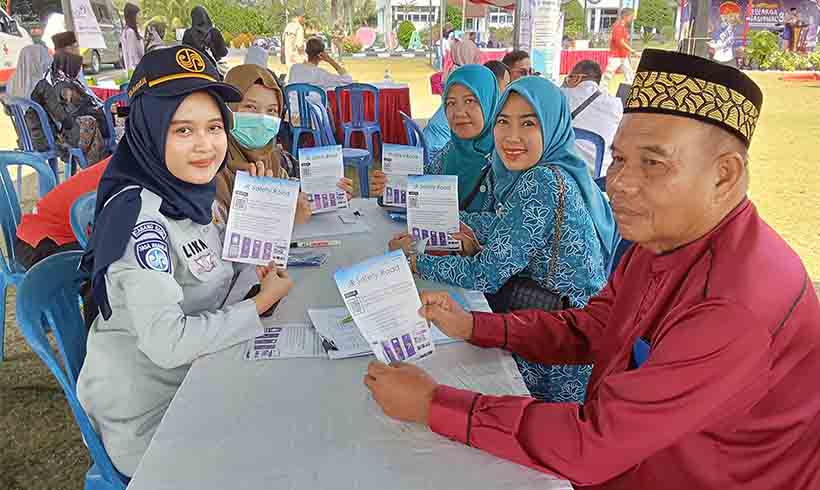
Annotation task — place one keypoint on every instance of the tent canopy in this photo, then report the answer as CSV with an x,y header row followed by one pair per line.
x,y
504,4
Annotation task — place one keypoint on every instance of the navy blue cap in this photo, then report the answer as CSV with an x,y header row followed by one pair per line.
x,y
176,71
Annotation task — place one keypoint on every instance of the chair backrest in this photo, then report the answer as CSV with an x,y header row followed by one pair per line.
x,y
82,217
17,108
10,212
302,91
356,93
48,299
320,120
623,92
415,136
121,99
600,146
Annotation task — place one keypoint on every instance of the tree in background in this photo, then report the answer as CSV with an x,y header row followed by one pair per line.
x,y
406,30
656,14
454,16
574,19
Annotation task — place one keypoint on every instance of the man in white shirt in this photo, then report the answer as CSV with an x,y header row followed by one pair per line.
x,y
293,40
592,110
311,73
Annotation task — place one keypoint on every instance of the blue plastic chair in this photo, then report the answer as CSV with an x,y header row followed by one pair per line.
x,y
600,146
358,122
303,92
361,160
82,217
11,272
415,136
16,107
120,99
49,299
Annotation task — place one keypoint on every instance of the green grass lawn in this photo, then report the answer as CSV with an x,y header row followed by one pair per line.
x,y
41,447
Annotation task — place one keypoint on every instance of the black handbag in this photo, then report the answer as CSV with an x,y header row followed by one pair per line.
x,y
523,293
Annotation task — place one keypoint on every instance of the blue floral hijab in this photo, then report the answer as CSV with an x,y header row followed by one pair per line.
x,y
552,109
467,157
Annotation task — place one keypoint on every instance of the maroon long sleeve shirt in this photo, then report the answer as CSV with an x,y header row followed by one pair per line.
x,y
729,397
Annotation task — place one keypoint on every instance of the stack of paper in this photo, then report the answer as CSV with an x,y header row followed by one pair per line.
x,y
320,169
382,298
285,342
432,210
261,220
398,162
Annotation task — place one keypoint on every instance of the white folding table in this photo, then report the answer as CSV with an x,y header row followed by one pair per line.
x,y
310,424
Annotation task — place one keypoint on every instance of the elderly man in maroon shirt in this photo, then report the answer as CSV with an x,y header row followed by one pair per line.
x,y
729,396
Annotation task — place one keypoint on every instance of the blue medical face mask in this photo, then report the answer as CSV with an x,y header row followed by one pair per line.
x,y
254,131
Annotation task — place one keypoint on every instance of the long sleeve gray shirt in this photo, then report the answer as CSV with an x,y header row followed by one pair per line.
x,y
166,295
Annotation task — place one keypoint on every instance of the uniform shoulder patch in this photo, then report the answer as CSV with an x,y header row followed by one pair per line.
x,y
151,248
155,228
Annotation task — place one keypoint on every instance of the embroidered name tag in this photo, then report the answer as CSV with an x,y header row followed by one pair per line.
x,y
153,227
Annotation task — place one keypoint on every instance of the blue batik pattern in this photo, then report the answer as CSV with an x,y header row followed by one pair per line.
x,y
518,241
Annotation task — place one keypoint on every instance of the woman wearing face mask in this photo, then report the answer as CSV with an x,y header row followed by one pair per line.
x,y
257,119
550,232
155,256
469,100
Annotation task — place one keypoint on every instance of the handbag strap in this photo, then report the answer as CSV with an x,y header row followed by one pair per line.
x,y
559,222
585,104
472,195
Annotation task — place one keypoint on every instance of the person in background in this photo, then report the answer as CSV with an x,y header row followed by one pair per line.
x,y
501,72
519,63
469,101
47,230
155,258
619,49
437,131
724,398
293,40
76,117
310,72
545,234
154,36
33,63
592,110
463,52
252,140
132,45
66,42
203,36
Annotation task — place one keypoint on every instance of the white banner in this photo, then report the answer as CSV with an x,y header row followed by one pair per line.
x,y
525,25
86,26
547,30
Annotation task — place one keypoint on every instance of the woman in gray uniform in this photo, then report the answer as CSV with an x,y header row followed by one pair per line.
x,y
155,256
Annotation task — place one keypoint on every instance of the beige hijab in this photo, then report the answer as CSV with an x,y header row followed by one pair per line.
x,y
463,52
244,77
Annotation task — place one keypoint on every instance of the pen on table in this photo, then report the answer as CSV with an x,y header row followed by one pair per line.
x,y
315,243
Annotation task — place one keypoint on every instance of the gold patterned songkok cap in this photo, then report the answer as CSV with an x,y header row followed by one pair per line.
x,y
689,86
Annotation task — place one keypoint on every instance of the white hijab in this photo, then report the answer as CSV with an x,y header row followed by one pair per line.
x,y
32,65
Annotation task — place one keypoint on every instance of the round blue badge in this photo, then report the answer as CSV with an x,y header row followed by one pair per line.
x,y
152,254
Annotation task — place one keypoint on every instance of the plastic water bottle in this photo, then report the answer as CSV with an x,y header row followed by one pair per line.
x,y
387,78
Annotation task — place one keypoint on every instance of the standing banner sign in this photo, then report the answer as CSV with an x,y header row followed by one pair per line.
x,y
547,29
86,26
524,22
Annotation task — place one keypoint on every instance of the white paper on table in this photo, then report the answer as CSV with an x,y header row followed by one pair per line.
x,y
382,298
327,225
261,220
337,326
285,341
432,210
320,169
399,161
